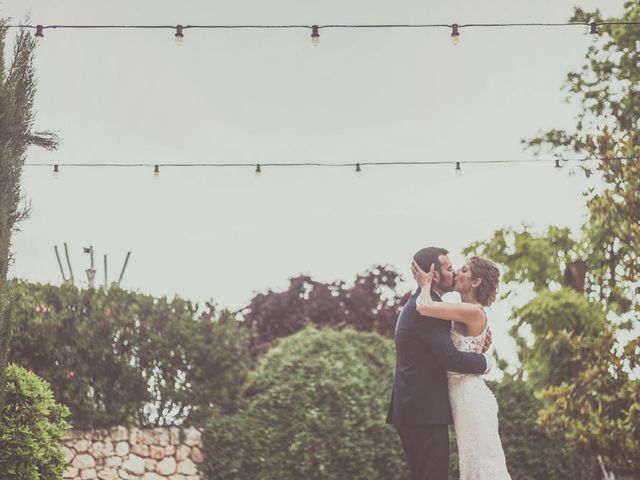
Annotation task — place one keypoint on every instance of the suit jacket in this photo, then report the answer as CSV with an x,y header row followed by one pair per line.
x,y
424,352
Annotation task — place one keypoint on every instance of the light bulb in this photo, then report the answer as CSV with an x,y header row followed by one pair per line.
x,y
258,169
458,169
156,171
56,171
39,34
179,37
315,35
455,34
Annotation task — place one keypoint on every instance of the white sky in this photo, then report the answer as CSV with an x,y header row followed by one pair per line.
x,y
261,96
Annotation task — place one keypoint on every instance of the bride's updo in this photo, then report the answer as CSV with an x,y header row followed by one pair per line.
x,y
488,272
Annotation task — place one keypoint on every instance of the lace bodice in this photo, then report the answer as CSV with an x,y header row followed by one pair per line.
x,y
472,344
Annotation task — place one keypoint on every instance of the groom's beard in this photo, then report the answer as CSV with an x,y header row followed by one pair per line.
x,y
447,287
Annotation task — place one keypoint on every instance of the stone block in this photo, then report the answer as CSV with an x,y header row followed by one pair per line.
x,y
88,474
134,464
182,452
122,448
141,450
187,467
193,437
167,466
156,452
83,462
196,455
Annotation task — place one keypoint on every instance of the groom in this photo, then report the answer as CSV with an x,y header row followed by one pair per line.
x,y
419,406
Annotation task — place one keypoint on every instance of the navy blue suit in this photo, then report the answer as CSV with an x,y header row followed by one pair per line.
x,y
419,406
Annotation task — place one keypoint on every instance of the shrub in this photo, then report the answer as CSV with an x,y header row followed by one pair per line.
x,y
531,454
30,429
119,358
314,408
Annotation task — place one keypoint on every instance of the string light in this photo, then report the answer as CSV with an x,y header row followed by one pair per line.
x,y
455,34
358,166
315,36
179,35
558,167
56,171
39,34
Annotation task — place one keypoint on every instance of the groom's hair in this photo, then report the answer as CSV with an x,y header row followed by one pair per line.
x,y
425,257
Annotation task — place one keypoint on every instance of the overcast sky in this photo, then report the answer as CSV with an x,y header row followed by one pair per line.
x,y
261,96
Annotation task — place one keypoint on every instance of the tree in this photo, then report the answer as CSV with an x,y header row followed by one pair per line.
x,y
598,413
596,408
17,91
370,305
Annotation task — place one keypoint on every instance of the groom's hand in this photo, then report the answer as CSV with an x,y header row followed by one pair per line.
x,y
487,341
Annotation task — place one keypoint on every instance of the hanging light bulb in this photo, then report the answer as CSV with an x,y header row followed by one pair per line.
x,y
315,35
358,169
455,34
156,171
258,169
39,34
558,166
458,169
179,35
56,171
593,28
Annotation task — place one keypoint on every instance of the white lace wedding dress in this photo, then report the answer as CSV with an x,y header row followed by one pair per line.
x,y
475,418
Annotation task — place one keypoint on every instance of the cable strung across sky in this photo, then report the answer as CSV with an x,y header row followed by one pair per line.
x,y
558,163
315,29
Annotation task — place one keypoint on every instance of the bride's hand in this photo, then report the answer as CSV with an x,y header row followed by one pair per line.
x,y
423,278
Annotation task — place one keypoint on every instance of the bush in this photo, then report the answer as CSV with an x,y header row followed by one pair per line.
x,y
31,426
531,454
314,408
120,358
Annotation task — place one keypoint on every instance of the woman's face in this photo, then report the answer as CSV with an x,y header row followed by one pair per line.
x,y
462,280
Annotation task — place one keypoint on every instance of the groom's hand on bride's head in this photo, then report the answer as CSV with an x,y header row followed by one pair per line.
x,y
487,341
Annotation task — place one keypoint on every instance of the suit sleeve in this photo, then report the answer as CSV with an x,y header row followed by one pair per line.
x,y
439,341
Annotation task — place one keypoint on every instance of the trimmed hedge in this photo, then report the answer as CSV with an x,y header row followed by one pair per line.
x,y
314,408
31,426
122,358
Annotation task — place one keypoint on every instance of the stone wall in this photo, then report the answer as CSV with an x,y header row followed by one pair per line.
x,y
133,454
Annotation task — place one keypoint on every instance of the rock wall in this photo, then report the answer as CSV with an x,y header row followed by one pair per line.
x,y
133,454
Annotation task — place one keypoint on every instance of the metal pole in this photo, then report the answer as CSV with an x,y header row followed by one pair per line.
x,y
66,252
64,279
126,260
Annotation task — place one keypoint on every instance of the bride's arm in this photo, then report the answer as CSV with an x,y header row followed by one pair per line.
x,y
461,312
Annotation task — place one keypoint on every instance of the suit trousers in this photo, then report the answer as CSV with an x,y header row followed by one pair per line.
x,y
427,450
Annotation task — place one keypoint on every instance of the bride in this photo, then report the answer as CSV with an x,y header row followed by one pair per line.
x,y
474,407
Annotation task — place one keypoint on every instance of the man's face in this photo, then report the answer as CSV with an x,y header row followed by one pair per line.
x,y
445,276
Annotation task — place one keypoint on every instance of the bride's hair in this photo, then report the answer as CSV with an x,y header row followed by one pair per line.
x,y
488,273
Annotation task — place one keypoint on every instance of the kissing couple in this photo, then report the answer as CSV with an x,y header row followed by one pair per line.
x,y
440,359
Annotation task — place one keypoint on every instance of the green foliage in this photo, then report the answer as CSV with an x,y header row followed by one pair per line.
x,y
31,426
117,357
598,413
539,259
17,91
551,317
314,408
607,131
530,452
